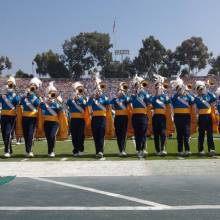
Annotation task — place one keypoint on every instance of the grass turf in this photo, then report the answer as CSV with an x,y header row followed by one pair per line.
x,y
64,150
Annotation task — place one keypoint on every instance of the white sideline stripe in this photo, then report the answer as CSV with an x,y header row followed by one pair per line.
x,y
116,195
25,159
106,208
63,159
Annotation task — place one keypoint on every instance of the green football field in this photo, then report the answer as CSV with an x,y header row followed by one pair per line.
x,y
64,150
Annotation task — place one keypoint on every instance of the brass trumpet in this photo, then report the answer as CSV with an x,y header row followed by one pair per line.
x,y
102,86
10,85
123,86
189,87
165,86
144,83
210,82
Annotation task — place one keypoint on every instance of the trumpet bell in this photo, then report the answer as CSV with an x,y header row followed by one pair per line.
x,y
210,82
189,87
123,86
165,86
144,83
103,86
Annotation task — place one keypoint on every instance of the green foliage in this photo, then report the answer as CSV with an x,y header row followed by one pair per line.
x,y
215,64
52,64
86,51
169,65
150,57
193,54
5,63
118,69
21,74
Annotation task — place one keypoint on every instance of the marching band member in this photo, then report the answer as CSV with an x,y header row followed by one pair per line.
x,y
119,104
181,102
159,102
30,103
51,108
98,104
9,101
204,102
218,105
140,100
76,106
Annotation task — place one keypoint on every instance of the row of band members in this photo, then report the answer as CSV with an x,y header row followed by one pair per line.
x,y
135,108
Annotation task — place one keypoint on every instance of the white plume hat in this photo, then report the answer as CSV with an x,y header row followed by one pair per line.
x,y
12,80
51,88
200,84
176,83
37,82
76,85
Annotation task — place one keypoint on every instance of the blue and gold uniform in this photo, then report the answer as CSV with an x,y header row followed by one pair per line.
x,y
139,103
50,111
76,109
98,107
159,103
8,118
182,119
218,109
29,104
119,104
203,103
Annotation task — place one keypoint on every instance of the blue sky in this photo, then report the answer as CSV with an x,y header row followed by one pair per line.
x,y
29,27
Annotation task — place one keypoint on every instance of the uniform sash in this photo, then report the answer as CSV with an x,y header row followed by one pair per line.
x,y
78,107
8,102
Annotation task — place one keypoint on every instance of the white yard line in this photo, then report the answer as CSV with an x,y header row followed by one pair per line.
x,y
25,159
115,195
64,159
106,208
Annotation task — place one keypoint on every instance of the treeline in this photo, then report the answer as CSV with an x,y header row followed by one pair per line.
x,y
90,52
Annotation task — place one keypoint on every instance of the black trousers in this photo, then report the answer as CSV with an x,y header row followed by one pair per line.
x,y
182,123
98,132
139,123
7,126
205,125
77,126
29,126
121,127
50,130
159,130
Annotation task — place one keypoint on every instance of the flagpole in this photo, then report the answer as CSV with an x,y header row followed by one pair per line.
x,y
114,38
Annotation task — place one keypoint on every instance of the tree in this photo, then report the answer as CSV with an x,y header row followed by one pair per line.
x,y
150,57
193,54
118,69
169,65
86,51
52,64
5,63
215,66
21,74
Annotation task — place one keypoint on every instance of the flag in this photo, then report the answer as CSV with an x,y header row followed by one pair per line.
x,y
113,29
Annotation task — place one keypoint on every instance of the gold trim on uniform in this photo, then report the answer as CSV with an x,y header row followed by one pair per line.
x,y
29,114
205,111
51,118
77,115
181,110
99,113
139,111
10,112
159,111
121,112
